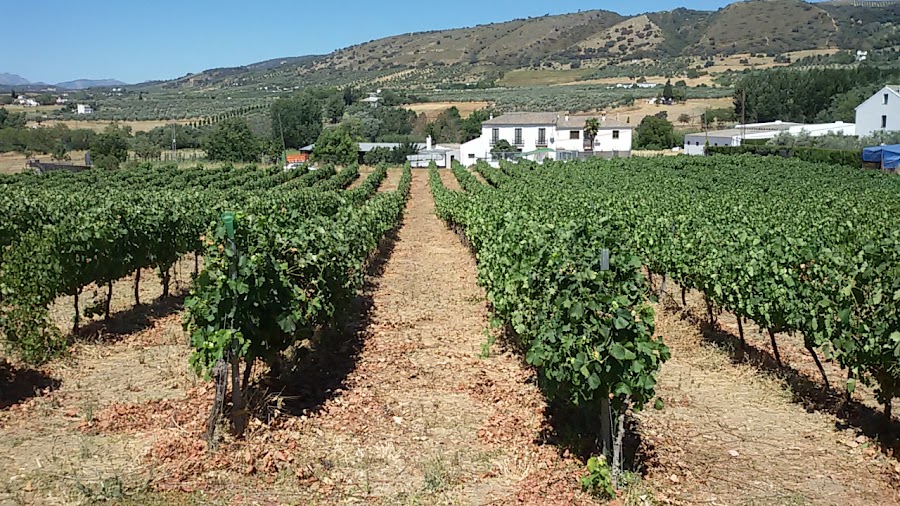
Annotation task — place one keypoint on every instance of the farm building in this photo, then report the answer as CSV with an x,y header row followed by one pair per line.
x,y
84,109
547,136
880,113
695,144
442,154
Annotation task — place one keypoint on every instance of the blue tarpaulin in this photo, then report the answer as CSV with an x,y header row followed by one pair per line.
x,y
887,156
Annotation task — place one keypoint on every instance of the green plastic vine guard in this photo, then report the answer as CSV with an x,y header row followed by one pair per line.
x,y
228,219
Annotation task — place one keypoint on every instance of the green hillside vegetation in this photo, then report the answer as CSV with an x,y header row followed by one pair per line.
x,y
591,39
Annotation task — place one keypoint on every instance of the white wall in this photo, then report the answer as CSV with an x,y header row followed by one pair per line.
x,y
480,148
869,113
695,144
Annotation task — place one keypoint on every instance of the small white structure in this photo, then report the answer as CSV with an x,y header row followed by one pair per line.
x,y
62,101
373,99
862,55
881,112
542,136
84,109
26,102
695,144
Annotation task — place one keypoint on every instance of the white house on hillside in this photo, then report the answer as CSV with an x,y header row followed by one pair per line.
x,y
548,136
84,109
881,112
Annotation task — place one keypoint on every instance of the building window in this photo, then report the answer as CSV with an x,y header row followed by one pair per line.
x,y
495,136
471,156
575,134
884,121
615,134
518,137
542,137
885,98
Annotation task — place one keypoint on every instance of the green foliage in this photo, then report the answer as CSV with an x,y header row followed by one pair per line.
x,y
110,147
591,127
503,148
655,133
334,145
63,231
146,149
298,118
850,158
283,274
60,152
588,331
808,95
598,479
232,141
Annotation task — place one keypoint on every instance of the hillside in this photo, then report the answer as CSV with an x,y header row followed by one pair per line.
x,y
590,39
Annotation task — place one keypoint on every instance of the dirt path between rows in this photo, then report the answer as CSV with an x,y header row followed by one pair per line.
x,y
423,418
732,435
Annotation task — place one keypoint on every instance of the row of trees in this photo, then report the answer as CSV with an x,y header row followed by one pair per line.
x,y
815,95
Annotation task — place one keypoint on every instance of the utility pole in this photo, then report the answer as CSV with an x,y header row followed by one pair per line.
x,y
283,145
743,115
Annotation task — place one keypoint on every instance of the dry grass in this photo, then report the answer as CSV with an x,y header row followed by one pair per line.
x,y
730,434
433,109
634,114
98,126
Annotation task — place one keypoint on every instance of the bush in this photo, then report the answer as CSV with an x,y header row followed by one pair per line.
x,y
851,158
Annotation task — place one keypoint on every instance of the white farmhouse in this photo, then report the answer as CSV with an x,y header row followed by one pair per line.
x,y
547,136
881,112
84,109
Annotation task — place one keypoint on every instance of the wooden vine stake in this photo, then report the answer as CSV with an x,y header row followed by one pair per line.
x,y
109,287
775,348
815,356
137,287
77,312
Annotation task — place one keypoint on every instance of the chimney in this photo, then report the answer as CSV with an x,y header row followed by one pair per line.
x,y
603,118
567,118
428,143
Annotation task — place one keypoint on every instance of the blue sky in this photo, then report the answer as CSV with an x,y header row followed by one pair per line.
x,y
135,41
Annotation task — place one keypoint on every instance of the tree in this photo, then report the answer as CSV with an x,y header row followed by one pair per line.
x,y
503,149
110,148
667,90
60,152
471,126
232,141
334,145
299,118
684,118
591,127
655,133
45,99
145,149
334,108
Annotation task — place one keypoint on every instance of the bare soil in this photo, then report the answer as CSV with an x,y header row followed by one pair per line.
x,y
733,432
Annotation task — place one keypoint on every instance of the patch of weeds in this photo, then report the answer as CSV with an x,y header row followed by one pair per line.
x,y
634,491
598,480
89,412
486,345
106,489
439,474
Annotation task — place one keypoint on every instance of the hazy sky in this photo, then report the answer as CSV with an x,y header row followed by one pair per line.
x,y
135,41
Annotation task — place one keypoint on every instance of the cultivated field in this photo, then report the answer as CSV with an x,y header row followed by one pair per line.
x,y
98,126
694,108
377,362
433,109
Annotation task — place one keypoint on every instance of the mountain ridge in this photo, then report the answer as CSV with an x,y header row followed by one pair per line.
x,y
9,80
